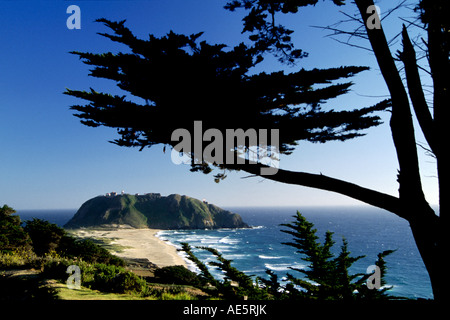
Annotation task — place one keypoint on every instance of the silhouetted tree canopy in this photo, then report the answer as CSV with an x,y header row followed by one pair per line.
x,y
266,34
180,79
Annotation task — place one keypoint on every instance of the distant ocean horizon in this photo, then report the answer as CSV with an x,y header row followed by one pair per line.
x,y
368,231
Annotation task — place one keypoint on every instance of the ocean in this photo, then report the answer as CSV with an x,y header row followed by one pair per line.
x,y
368,231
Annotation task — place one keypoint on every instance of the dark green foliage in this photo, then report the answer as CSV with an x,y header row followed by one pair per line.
x,y
98,276
115,279
12,235
45,236
128,282
57,268
48,237
105,278
177,275
180,80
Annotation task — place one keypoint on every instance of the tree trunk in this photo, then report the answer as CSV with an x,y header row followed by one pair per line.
x,y
427,230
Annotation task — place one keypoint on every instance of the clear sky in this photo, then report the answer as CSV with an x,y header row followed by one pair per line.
x,y
49,160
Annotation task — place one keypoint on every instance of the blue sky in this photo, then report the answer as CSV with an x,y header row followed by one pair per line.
x,y
50,161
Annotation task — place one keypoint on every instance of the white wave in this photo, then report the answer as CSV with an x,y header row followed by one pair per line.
x,y
222,248
228,240
209,241
236,256
269,257
283,266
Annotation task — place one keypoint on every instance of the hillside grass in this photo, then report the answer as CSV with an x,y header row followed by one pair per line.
x,y
133,216
164,292
64,293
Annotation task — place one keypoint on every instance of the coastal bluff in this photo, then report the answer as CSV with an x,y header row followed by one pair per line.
x,y
154,211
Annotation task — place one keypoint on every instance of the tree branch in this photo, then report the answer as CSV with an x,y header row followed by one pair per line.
x,y
319,181
408,57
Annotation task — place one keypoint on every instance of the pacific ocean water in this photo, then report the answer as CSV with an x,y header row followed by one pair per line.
x,y
368,231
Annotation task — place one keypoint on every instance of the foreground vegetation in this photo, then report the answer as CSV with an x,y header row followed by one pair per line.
x,y
35,259
33,256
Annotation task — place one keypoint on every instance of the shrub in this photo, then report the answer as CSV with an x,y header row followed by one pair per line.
x,y
18,258
55,267
129,282
110,278
102,277
176,275
178,296
89,251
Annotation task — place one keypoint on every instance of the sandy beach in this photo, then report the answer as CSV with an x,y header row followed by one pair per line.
x,y
127,242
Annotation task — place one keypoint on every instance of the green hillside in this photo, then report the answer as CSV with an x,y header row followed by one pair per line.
x,y
154,211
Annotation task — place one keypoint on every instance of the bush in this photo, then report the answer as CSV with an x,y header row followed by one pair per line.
x,y
176,275
55,267
102,277
19,258
110,278
178,296
88,251
129,282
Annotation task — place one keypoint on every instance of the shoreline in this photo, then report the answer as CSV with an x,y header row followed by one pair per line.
x,y
133,243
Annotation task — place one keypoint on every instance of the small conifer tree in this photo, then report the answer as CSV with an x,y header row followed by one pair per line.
x,y
327,276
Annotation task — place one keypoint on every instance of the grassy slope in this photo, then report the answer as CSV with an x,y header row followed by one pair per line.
x,y
131,215
64,293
